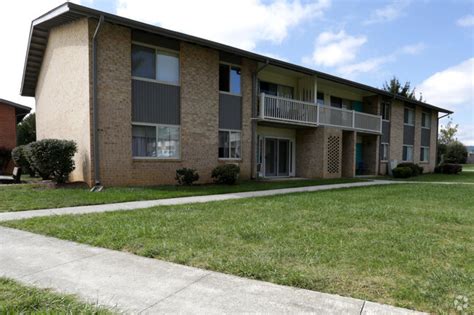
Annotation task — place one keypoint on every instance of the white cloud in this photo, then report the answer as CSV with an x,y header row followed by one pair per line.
x,y
241,23
374,64
452,87
332,49
414,49
14,28
388,13
466,21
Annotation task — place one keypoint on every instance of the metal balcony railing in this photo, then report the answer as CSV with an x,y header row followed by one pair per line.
x,y
293,111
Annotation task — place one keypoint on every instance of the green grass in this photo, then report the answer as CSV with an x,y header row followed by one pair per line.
x,y
406,245
463,177
468,167
31,196
16,298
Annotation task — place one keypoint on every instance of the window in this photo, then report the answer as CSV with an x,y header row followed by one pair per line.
x,y
276,89
385,147
229,144
155,64
336,102
229,79
385,111
424,154
425,120
167,67
407,153
157,141
409,117
143,62
320,98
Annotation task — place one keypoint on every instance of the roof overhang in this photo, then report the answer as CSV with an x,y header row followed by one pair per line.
x,y
69,12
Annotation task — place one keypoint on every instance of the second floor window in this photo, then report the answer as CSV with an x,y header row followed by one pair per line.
x,y
425,120
409,117
320,98
385,111
229,79
155,64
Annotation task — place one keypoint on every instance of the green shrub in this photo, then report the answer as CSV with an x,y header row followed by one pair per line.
x,y
402,172
456,153
449,168
186,176
19,156
416,169
5,157
52,158
226,174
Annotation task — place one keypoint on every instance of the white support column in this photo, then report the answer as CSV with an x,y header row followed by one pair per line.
x,y
353,118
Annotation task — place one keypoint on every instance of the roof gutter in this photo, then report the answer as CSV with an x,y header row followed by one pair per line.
x,y
94,103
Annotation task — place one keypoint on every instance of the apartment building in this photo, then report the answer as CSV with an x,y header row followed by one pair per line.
x,y
142,101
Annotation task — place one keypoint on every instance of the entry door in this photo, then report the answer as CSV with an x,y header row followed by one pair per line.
x,y
277,157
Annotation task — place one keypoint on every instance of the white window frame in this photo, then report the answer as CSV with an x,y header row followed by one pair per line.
x,y
414,118
429,117
156,139
386,145
428,159
230,147
158,49
412,153
236,66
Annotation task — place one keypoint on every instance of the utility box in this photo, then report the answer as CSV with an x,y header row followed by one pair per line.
x,y
391,166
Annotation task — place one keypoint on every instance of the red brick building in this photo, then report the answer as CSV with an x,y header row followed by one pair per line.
x,y
10,114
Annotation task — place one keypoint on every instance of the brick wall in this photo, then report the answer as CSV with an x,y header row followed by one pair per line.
x,y
396,131
199,68
62,93
7,126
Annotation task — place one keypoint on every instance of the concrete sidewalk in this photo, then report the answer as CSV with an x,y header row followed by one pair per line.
x,y
136,284
18,215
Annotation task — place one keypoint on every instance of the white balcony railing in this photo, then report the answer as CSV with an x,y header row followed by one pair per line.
x,y
294,111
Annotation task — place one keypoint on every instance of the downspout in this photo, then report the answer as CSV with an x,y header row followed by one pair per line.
x,y
97,186
254,122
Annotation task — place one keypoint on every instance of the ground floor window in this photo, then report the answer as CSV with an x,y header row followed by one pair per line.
x,y
229,144
156,141
407,153
424,154
385,147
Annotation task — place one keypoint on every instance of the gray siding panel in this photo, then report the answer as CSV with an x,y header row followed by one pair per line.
x,y
385,132
155,103
408,135
230,58
425,137
156,40
230,111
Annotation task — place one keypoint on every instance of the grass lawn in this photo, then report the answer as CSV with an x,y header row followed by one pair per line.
x,y
465,176
16,298
405,245
468,167
31,196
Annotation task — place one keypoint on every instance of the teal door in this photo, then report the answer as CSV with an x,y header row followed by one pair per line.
x,y
359,161
357,106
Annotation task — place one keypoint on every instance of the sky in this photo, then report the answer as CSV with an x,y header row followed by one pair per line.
x,y
429,43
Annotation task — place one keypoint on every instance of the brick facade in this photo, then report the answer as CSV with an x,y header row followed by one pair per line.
x,y
64,109
8,126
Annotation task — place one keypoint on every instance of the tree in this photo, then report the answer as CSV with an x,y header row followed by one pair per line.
x,y
395,87
26,130
447,133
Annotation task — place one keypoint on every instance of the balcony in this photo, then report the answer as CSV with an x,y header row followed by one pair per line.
x,y
284,110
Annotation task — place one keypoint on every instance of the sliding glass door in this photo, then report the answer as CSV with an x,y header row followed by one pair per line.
x,y
277,157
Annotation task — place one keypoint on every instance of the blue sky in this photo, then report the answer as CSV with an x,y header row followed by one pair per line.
x,y
427,42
